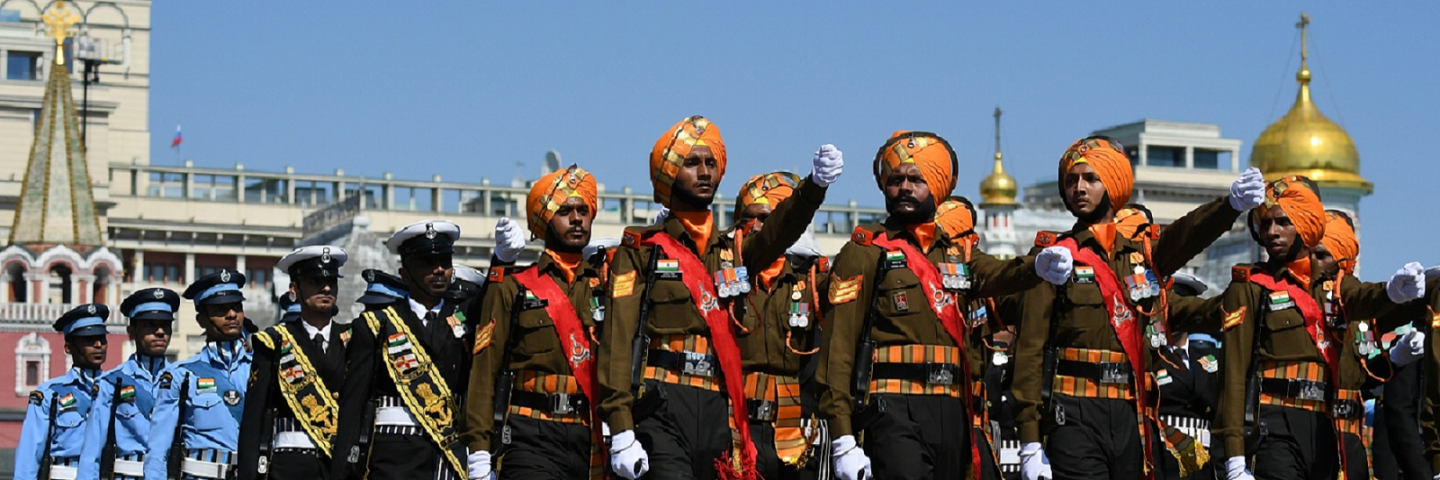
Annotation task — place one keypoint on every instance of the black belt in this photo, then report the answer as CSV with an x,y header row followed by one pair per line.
x,y
761,410
928,372
689,363
1103,372
554,403
1295,389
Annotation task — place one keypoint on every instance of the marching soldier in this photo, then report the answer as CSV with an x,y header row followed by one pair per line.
x,y
899,296
293,396
1398,448
382,289
467,285
1084,345
672,326
778,335
1429,418
115,436
406,369
53,435
195,427
533,375
1281,361
1335,257
1188,380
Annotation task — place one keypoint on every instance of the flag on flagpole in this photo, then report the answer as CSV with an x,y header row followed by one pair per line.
x,y
178,138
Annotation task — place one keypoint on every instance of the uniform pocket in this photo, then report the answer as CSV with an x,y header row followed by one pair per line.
x,y
208,412
900,294
536,333
671,305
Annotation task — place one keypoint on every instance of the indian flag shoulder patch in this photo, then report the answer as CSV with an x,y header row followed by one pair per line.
x,y
894,255
127,392
205,385
67,401
668,265
1163,377
1084,273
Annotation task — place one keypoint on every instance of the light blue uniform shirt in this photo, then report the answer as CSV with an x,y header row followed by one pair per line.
x,y
136,378
74,391
217,377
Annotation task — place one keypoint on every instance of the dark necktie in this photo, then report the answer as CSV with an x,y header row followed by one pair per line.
x,y
320,342
429,317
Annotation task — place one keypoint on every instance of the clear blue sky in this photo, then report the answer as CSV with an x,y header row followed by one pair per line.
x,y
467,89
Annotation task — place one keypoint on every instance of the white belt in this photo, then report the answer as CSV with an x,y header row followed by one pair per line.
x,y
293,440
204,469
394,416
1196,428
129,468
62,472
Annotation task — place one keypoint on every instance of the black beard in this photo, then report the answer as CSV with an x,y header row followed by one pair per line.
x,y
559,245
1095,216
680,194
924,211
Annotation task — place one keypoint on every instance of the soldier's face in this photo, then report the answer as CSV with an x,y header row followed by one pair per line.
x,y
316,294
1277,234
907,196
757,212
1321,260
570,227
87,351
151,337
696,180
222,321
428,274
1085,194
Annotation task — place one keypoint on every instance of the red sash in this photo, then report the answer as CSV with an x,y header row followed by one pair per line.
x,y
1314,320
567,326
697,279
943,304
1125,322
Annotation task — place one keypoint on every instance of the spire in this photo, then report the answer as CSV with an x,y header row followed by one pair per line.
x,y
999,188
56,203
1303,76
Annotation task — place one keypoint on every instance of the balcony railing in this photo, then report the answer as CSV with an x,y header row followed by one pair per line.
x,y
44,314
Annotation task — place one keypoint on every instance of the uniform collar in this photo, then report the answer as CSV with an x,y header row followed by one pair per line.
x,y
227,353
676,229
84,376
895,229
420,309
145,366
310,330
1086,238
548,265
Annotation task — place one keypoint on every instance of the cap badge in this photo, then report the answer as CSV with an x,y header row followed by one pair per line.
x,y
159,294
430,231
370,276
225,276
91,309
325,255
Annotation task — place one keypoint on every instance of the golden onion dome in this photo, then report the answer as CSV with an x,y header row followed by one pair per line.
x,y
998,188
1305,142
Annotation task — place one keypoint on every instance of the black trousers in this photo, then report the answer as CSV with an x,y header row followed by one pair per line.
x,y
989,469
1298,444
919,437
1356,463
768,461
1093,438
543,450
1398,447
686,433
1168,467
408,457
292,464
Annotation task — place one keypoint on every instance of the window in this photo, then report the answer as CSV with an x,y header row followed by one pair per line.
x,y
258,277
32,363
1212,159
163,272
22,65
1165,156
164,184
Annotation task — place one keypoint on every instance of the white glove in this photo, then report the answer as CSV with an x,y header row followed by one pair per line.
x,y
1033,463
480,466
1248,191
661,215
1407,284
627,457
1235,469
509,239
828,164
1054,265
849,460
1408,348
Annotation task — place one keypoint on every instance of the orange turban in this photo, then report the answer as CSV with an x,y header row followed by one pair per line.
x,y
671,149
556,188
926,150
1109,161
1340,241
1131,220
956,216
1299,198
766,189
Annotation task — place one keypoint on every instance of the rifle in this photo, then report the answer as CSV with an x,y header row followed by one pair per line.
x,y
267,435
45,459
505,380
1052,356
360,451
177,445
1255,427
640,346
867,412
107,454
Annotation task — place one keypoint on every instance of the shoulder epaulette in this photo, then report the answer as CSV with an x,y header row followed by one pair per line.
x,y
631,238
264,337
1240,274
495,275
822,264
1155,231
37,397
1046,239
863,235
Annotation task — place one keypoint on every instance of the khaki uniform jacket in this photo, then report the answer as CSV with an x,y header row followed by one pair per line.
x,y
910,324
537,346
672,312
1285,339
767,318
1085,323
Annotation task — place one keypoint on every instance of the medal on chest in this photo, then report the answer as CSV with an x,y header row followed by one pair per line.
x,y
597,311
731,281
978,317
799,310
954,276
1365,341
1332,309
1142,285
1155,332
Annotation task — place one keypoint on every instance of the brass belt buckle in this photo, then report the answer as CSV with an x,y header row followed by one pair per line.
x,y
1313,391
939,375
560,404
697,364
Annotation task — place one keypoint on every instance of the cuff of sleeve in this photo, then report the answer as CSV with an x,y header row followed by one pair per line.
x,y
620,421
839,427
1029,432
1235,446
812,192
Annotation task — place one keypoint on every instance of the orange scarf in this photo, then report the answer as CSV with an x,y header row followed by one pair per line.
x,y
1105,236
924,234
767,277
1300,269
698,225
569,263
